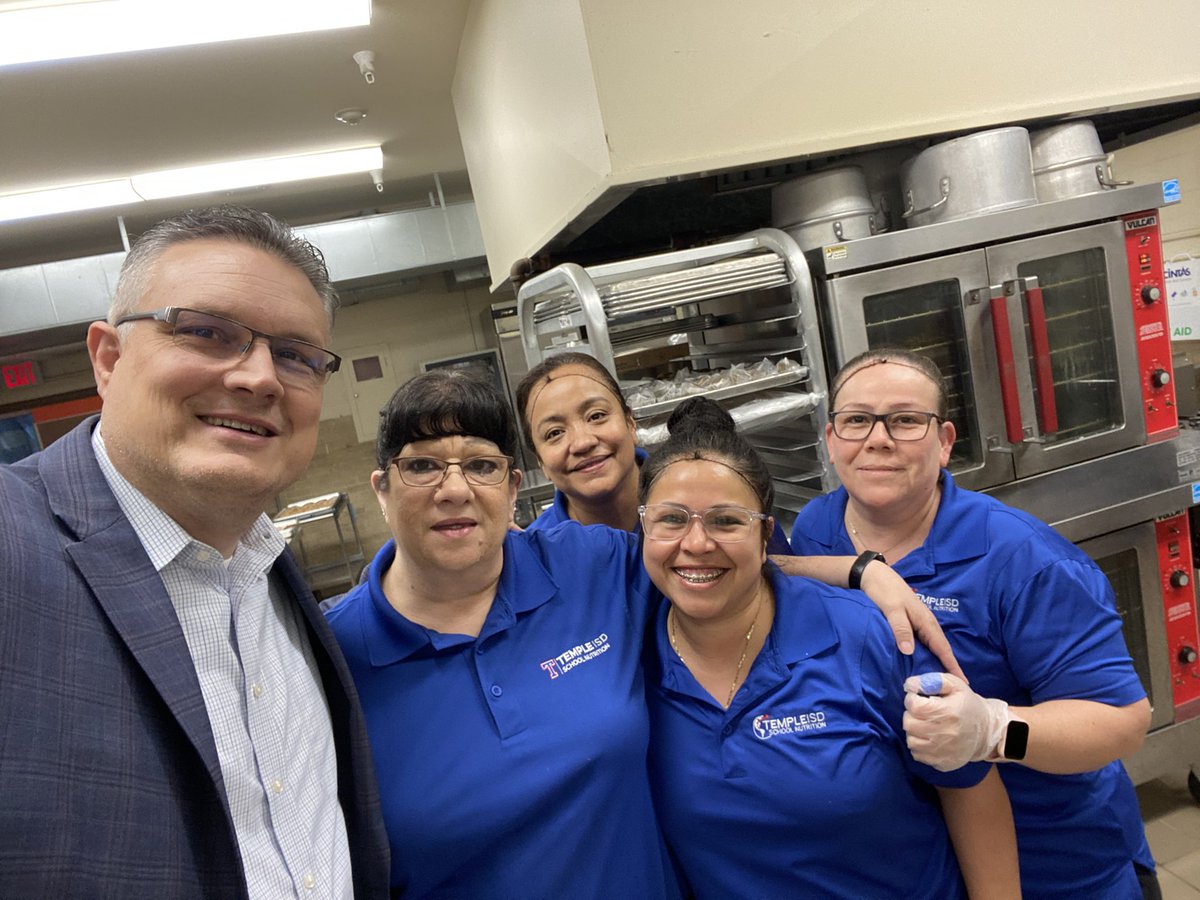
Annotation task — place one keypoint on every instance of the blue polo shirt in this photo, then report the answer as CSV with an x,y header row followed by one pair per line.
x,y
557,513
1031,618
514,764
803,787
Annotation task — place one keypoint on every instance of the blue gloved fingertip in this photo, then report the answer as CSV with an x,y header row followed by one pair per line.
x,y
931,683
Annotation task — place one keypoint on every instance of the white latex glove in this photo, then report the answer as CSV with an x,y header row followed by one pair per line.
x,y
948,725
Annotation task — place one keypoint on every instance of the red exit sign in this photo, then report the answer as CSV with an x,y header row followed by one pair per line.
x,y
20,374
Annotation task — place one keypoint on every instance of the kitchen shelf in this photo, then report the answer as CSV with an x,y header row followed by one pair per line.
x,y
734,302
294,519
728,392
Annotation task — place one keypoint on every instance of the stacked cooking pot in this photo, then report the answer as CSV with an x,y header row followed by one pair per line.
x,y
973,175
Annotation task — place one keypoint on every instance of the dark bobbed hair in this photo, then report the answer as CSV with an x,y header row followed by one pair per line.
x,y
900,356
700,429
444,403
546,368
239,224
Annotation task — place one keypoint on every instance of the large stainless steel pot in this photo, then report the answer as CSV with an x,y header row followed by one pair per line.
x,y
881,168
825,207
1068,160
968,176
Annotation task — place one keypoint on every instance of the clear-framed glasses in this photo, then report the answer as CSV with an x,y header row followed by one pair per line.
x,y
429,471
296,362
671,521
901,425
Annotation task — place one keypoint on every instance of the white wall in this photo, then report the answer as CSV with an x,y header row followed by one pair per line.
x,y
429,323
1174,155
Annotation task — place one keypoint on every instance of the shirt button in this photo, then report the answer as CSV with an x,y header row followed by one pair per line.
x,y
277,786
497,690
256,690
727,730
310,881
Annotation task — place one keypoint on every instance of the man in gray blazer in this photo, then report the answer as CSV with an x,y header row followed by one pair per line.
x,y
175,717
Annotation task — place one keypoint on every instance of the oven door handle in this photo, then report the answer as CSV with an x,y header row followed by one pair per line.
x,y
1039,337
1010,398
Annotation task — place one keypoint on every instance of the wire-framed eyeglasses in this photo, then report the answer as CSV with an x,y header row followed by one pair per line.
x,y
671,521
430,471
901,425
296,362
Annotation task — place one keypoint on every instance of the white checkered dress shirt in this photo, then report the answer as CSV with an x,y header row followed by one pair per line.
x,y
264,699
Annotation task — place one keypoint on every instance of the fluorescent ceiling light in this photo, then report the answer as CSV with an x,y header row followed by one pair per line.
x,y
195,180
66,199
253,172
33,32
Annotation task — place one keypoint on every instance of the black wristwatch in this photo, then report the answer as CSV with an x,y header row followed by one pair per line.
x,y
854,579
1016,740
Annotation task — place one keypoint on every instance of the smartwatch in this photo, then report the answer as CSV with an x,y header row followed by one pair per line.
x,y
854,579
1016,740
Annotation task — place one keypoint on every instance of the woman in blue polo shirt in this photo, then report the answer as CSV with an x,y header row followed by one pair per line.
x,y
499,675
1031,618
777,752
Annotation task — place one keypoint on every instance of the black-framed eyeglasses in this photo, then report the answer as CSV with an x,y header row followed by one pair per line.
x,y
296,362
671,521
429,471
901,425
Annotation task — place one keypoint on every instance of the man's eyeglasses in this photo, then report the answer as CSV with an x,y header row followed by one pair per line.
x,y
429,471
902,425
671,521
296,362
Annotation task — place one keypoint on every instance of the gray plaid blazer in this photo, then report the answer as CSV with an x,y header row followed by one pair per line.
x,y
109,779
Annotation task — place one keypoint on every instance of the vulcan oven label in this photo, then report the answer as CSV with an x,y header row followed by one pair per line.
x,y
1143,222
837,252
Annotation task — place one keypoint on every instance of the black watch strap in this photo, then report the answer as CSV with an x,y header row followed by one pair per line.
x,y
854,580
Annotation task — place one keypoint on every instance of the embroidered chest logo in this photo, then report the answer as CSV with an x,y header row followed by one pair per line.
x,y
576,656
768,726
940,604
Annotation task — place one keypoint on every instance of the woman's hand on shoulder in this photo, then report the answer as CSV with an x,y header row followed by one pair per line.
x,y
907,615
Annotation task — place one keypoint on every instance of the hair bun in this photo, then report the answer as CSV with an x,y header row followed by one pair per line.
x,y
699,414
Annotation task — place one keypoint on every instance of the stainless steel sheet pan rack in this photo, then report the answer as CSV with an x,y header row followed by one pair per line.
x,y
740,301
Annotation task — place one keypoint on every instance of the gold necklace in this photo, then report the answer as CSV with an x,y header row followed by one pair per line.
x,y
858,539
745,648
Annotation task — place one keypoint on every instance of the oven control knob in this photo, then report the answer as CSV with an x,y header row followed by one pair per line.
x,y
1187,655
1151,294
1160,377
1179,578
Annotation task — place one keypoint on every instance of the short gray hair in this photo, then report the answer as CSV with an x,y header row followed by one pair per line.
x,y
232,223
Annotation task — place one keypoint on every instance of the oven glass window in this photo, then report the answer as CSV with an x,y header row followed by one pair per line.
x,y
1083,356
928,319
1121,569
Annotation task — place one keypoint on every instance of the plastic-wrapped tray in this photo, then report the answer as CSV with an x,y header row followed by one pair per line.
x,y
313,508
724,393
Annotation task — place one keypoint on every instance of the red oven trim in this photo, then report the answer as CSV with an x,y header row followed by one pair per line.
x,y
1175,572
1143,255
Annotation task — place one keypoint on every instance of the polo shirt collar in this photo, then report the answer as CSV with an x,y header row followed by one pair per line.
x,y
959,530
524,585
802,629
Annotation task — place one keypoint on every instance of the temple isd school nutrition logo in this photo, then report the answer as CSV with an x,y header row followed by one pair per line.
x,y
768,726
576,656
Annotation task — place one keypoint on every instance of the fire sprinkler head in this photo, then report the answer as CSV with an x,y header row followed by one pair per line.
x,y
366,64
377,177
351,115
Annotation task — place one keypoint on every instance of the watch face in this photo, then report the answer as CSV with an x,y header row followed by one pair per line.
x,y
1016,739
